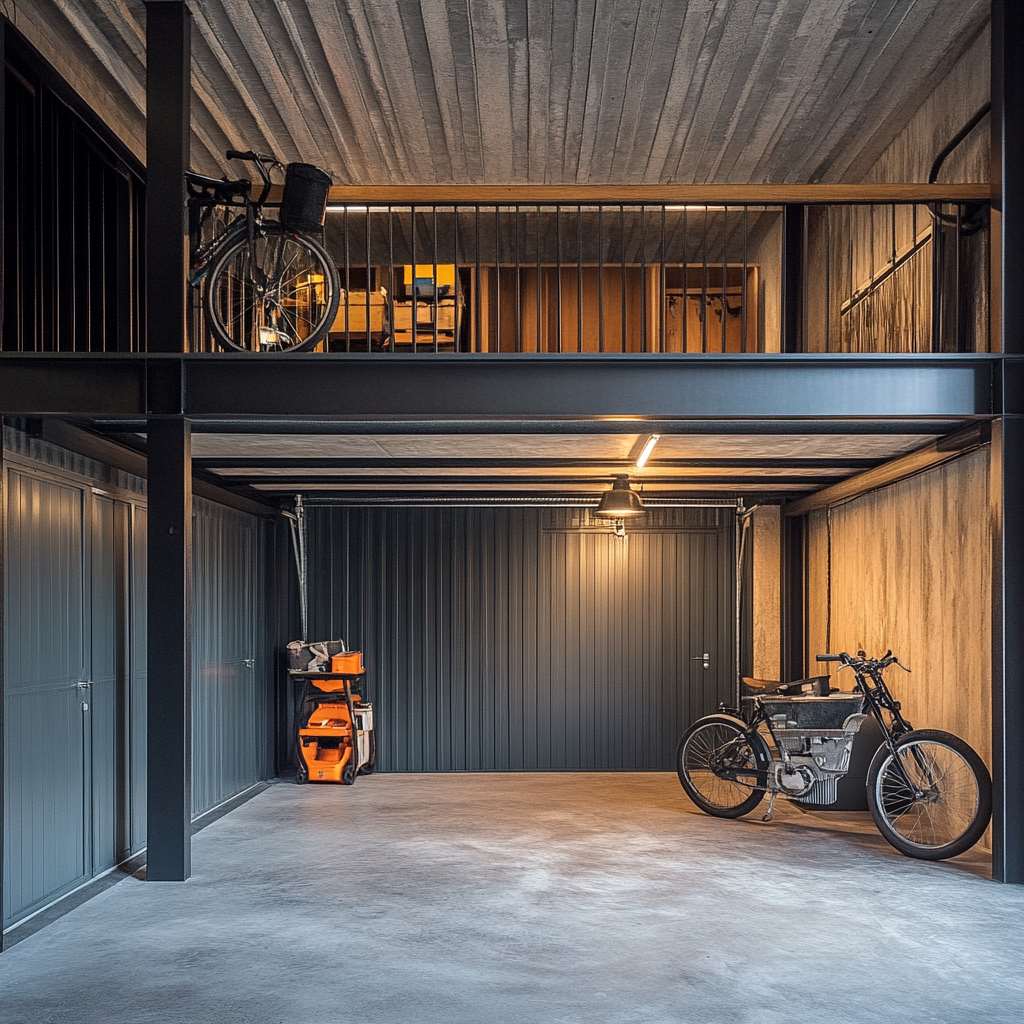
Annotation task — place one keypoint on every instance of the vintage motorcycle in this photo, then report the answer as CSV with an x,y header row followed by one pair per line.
x,y
929,792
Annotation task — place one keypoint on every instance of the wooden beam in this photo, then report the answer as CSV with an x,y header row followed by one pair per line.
x,y
940,450
469,194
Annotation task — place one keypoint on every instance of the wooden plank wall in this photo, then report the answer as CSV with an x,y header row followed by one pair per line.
x,y
911,569
863,242
767,593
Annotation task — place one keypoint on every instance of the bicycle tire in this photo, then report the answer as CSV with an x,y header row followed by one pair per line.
x,y
761,756
982,813
331,282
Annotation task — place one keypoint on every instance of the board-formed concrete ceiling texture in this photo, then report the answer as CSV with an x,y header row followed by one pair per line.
x,y
587,91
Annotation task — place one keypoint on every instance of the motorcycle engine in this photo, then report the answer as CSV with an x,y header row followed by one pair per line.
x,y
816,760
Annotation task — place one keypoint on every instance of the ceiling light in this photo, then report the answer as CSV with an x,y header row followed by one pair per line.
x,y
621,502
645,452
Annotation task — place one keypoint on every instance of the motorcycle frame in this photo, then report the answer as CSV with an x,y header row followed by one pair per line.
x,y
880,701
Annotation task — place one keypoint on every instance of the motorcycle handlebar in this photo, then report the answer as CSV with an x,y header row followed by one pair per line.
x,y
861,659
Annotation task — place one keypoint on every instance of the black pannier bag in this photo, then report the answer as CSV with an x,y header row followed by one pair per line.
x,y
304,200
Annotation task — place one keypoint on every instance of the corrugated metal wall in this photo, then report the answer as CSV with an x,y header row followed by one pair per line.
x,y
507,639
75,609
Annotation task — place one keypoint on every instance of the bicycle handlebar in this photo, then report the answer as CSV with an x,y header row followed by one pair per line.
x,y
862,661
262,162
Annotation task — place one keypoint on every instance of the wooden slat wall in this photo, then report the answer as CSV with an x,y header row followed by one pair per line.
x,y
767,593
911,569
862,241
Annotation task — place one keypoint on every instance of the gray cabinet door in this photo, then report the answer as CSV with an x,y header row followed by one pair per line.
x,y
47,812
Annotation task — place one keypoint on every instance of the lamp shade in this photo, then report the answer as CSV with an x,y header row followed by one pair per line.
x,y
620,502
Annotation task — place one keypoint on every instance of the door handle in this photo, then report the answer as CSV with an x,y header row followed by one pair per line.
x,y
84,688
704,659
249,662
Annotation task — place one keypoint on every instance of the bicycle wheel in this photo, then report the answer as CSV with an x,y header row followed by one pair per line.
x,y
716,744
278,295
952,805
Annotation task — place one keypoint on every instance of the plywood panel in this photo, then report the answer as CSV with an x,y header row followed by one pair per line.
x,y
911,570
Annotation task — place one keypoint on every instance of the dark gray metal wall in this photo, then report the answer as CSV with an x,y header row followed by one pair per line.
x,y
507,638
75,587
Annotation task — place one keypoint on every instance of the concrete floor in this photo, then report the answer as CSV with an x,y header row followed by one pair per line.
x,y
602,899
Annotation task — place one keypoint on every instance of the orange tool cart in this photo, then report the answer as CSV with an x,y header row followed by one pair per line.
x,y
334,741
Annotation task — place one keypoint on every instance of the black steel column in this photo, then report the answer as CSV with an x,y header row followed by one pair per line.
x,y
168,102
793,589
1007,458
169,655
3,688
794,222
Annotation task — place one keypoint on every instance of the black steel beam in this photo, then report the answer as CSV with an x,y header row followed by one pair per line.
x,y
169,653
256,463
132,459
168,135
773,427
455,387
271,392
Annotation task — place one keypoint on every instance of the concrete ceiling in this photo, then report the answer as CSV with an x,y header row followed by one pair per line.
x,y
588,91
548,464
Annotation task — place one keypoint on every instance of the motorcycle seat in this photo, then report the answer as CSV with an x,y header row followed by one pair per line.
x,y
811,686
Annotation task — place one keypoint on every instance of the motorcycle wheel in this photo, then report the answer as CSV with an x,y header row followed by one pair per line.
x,y
714,795
955,809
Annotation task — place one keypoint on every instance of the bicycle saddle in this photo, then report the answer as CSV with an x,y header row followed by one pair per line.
x,y
811,686
220,187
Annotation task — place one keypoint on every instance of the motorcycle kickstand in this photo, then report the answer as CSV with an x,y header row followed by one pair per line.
x,y
769,814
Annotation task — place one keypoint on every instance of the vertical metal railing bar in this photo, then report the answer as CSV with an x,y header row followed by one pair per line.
x,y
743,282
622,277
643,278
804,253
348,280
662,296
861,340
477,290
892,263
558,274
938,274
414,333
827,304
915,292
850,219
579,278
725,273
369,340
497,278
685,300
433,229
704,285
519,277
600,278
456,316
957,319
539,284
391,279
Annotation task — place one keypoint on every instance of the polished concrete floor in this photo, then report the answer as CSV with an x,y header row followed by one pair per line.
x,y
602,899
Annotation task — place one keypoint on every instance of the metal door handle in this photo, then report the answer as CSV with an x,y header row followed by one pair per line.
x,y
704,659
249,662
